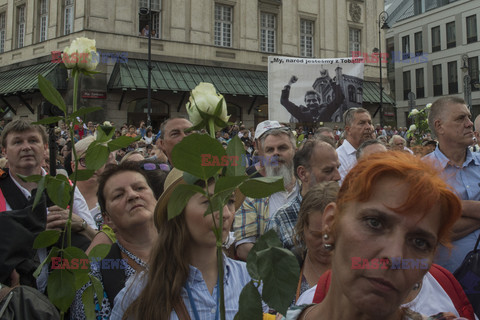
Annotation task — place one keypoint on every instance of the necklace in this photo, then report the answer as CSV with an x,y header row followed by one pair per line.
x,y
139,261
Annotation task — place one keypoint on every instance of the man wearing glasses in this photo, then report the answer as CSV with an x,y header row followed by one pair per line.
x,y
358,128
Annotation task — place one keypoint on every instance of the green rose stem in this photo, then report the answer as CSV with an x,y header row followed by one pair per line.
x,y
218,231
76,77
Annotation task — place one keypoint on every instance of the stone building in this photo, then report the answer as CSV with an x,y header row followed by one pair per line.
x,y
434,48
225,42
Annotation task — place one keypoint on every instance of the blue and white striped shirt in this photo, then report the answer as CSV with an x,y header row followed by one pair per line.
x,y
236,277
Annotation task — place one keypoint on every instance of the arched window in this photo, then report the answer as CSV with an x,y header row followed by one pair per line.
x,y
352,93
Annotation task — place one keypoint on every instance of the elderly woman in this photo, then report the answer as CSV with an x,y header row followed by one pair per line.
x,y
308,231
391,207
182,281
127,203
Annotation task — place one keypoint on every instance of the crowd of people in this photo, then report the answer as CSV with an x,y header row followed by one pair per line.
x,y
357,199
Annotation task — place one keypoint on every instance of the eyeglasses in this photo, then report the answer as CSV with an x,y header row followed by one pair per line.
x,y
82,162
155,166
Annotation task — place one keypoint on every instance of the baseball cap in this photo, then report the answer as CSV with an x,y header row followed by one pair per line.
x,y
266,125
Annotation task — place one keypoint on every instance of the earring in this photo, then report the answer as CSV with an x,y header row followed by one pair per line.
x,y
327,246
416,286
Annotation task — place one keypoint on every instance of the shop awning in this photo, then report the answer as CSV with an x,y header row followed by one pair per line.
x,y
133,74
371,94
25,79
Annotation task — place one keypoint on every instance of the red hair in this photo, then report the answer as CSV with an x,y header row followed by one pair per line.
x,y
426,187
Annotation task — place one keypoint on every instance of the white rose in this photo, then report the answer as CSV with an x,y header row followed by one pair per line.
x,y
428,106
412,128
414,112
81,54
206,98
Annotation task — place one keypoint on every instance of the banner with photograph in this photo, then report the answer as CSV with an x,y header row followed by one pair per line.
x,y
313,90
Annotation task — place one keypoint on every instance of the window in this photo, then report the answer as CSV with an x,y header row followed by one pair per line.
x,y
418,43
352,94
20,26
156,19
407,84
473,71
472,29
268,28
68,17
452,77
354,40
437,80
417,7
451,37
3,18
436,39
420,83
405,47
43,14
306,38
223,25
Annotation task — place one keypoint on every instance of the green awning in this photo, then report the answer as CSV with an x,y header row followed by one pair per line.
x,y
184,77
371,94
25,79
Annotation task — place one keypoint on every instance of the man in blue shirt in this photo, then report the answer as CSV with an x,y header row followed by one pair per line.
x,y
450,120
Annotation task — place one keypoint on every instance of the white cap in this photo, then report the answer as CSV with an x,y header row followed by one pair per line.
x,y
266,125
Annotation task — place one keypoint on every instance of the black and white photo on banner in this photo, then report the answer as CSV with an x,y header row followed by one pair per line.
x,y
313,90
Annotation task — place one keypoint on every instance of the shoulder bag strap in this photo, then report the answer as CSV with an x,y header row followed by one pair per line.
x,y
181,310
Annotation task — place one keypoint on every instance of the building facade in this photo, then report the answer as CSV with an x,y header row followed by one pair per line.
x,y
434,51
226,42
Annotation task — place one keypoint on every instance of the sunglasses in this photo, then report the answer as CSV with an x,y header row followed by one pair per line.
x,y
155,166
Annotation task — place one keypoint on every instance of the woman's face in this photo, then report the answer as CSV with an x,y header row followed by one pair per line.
x,y
129,201
366,231
313,238
200,226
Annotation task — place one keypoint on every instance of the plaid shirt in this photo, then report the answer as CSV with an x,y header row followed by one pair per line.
x,y
250,218
284,220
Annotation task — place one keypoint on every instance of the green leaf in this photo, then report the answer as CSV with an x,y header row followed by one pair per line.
x,y
77,259
83,175
58,190
83,111
236,152
81,278
100,251
97,285
53,253
198,154
61,289
46,238
250,304
180,197
40,180
121,142
32,178
48,120
229,183
262,187
279,271
89,303
51,94
108,131
97,156
268,240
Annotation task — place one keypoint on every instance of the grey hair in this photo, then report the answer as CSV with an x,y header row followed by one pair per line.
x,y
437,110
277,132
349,115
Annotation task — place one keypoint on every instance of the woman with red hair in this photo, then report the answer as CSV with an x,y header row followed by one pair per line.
x,y
391,213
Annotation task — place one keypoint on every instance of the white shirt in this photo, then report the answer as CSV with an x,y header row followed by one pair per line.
x,y
431,299
347,157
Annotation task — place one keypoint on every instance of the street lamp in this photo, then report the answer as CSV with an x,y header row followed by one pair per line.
x,y
382,24
148,11
467,87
